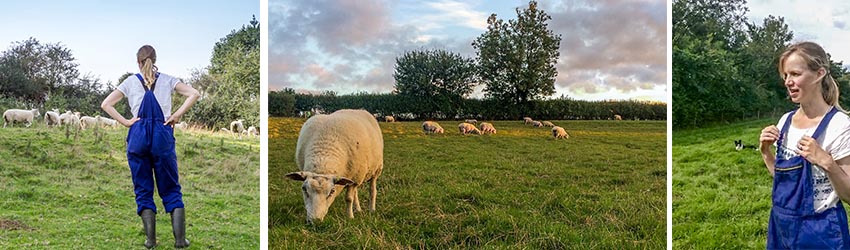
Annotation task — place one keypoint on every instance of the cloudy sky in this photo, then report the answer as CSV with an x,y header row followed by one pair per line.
x,y
105,35
609,49
826,22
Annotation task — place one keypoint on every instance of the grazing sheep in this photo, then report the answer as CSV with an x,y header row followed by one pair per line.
x,y
432,127
487,127
389,118
559,132
88,122
20,115
548,124
537,124
236,126
69,118
527,120
466,128
473,121
106,122
252,131
618,117
51,118
335,152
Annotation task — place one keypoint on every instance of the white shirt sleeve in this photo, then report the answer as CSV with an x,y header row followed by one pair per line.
x,y
840,146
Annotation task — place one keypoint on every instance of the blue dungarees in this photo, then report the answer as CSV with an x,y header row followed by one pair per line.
x,y
150,152
793,221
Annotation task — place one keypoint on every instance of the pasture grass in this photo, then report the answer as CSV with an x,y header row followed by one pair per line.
x,y
721,197
75,191
519,189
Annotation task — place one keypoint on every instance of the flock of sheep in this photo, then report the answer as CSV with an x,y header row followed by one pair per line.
x,y
468,127
54,118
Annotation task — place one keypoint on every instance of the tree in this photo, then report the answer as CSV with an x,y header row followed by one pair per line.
x,y
436,79
516,60
45,66
230,86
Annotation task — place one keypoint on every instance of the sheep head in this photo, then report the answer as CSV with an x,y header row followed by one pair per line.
x,y
319,191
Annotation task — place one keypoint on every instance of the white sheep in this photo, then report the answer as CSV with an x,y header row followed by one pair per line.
x,y
20,115
548,124
473,121
106,122
527,120
336,151
389,118
618,117
69,118
252,131
537,124
51,118
467,128
487,127
432,127
236,126
559,132
88,122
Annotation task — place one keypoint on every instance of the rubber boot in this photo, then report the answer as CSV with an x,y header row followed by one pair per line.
x,y
149,221
178,226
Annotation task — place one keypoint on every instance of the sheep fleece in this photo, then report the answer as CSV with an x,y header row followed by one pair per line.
x,y
346,143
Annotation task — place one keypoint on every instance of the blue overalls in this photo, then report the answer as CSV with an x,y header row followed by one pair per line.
x,y
793,221
150,152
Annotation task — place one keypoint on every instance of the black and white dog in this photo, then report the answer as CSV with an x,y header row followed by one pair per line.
x,y
739,145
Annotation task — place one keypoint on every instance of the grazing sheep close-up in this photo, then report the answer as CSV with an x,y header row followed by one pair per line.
x,y
466,128
335,152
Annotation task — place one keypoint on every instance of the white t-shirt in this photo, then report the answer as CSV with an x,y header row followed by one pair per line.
x,y
835,140
135,92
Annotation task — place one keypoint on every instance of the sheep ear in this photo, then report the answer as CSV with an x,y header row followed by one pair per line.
x,y
343,181
297,176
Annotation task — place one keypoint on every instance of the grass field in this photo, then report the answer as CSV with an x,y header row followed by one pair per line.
x,y
519,189
721,197
76,192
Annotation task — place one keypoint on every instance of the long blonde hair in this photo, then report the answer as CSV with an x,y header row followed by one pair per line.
x,y
815,58
146,57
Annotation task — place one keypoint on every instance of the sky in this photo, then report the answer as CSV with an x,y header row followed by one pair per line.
x,y
104,36
610,49
826,23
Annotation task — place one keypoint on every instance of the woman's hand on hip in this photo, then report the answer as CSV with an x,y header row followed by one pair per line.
x,y
809,148
128,123
768,136
174,119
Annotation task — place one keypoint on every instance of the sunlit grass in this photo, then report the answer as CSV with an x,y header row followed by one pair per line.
x,y
76,192
602,188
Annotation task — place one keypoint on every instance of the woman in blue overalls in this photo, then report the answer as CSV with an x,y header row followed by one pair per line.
x,y
810,166
150,141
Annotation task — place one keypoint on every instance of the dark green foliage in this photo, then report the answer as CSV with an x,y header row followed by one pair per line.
x,y
516,60
436,80
488,109
725,69
230,86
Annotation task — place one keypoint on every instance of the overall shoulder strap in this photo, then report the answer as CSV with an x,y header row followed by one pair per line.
x,y
142,79
824,122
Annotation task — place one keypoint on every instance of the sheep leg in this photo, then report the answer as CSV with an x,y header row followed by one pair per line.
x,y
356,200
350,198
373,191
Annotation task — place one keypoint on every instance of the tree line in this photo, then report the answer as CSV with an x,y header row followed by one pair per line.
x,y
35,74
725,68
